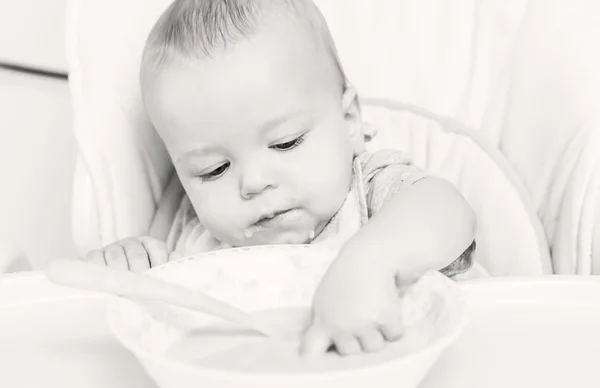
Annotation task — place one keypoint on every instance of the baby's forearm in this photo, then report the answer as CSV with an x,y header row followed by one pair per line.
x,y
166,210
423,227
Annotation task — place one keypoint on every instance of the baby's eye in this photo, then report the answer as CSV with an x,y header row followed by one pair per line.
x,y
214,174
288,145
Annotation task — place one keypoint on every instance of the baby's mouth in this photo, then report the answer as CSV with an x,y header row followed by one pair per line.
x,y
271,219
270,222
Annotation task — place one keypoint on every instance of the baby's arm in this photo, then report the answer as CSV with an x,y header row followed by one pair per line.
x,y
140,253
424,226
167,208
421,227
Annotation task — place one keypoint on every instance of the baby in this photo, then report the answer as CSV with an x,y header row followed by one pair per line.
x,y
266,137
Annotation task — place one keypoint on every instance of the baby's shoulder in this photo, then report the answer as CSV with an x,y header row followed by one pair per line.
x,y
373,162
384,173
388,168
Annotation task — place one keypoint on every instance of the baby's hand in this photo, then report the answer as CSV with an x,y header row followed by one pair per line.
x,y
135,254
357,307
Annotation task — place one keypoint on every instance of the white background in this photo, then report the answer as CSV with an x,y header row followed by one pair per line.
x,y
37,148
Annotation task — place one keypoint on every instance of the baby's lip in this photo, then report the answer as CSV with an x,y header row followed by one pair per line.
x,y
274,222
270,217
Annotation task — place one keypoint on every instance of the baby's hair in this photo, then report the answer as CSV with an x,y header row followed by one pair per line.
x,y
201,28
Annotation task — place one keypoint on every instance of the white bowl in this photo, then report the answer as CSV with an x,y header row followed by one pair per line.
x,y
272,277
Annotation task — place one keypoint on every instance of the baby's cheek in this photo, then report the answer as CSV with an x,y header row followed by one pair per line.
x,y
326,197
220,215
334,175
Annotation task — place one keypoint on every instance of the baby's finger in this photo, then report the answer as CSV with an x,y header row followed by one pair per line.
x,y
115,257
371,340
392,325
95,257
392,331
137,257
315,341
346,344
157,250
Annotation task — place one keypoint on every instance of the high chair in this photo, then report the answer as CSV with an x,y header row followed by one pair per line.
x,y
499,97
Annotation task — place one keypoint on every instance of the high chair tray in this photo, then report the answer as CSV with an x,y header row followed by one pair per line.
x,y
56,337
528,332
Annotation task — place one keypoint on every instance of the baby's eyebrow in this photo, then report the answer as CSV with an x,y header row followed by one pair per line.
x,y
196,152
275,122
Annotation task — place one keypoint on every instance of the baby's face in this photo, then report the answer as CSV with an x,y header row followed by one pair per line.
x,y
261,137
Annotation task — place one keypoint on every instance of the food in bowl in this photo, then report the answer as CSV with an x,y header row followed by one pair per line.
x,y
181,348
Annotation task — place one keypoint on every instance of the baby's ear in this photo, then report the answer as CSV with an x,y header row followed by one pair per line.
x,y
352,115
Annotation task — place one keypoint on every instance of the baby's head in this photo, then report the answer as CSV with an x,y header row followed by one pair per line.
x,y
253,106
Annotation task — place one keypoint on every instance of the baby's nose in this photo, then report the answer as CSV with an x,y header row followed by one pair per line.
x,y
254,181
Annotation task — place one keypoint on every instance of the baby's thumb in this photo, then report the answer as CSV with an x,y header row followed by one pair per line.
x,y
315,341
